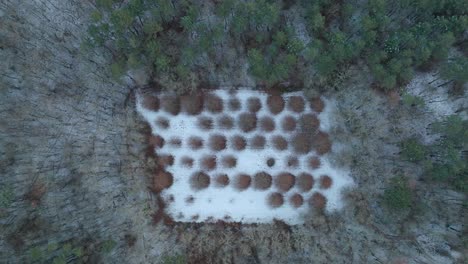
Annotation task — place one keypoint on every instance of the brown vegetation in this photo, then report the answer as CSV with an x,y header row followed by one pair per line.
x,y
234,104
271,162
229,161
195,143
279,142
254,104
257,142
318,201
165,160
217,142
156,141
199,181
208,162
205,122
161,180
267,124
262,181
296,104
305,182
285,181
238,142
162,122
275,200
321,143
296,200
225,122
288,123
292,162
314,162
170,104
275,103
192,104
247,122
151,102
175,142
301,143
309,123
187,162
317,104
325,182
213,103
222,180
242,182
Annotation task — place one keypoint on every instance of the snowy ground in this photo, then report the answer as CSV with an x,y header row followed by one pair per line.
x,y
229,203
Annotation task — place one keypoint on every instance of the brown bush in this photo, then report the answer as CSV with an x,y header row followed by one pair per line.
x,y
165,160
309,123
262,181
275,200
162,122
296,200
267,124
195,143
279,142
234,104
205,123
325,182
170,104
156,141
175,142
247,122
151,102
225,122
275,103
217,142
285,181
305,182
296,104
314,162
213,103
301,143
318,201
321,143
317,104
271,162
242,182
192,104
292,162
161,180
229,161
254,104
187,162
257,142
199,181
238,142
208,162
222,180
288,123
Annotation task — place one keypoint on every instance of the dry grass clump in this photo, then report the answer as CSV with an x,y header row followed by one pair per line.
x,y
213,103
254,104
257,142
317,104
162,123
305,182
205,122
234,104
321,143
275,200
170,104
195,143
314,162
192,104
187,162
156,141
267,124
325,182
288,123
229,161
296,200
301,143
225,122
199,181
285,181
247,122
271,162
318,201
222,180
175,142
262,181
309,123
238,142
208,162
292,162
242,182
296,104
279,142
162,180
151,102
275,103
217,142
165,160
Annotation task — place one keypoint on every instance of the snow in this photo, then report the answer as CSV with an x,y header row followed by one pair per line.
x,y
250,205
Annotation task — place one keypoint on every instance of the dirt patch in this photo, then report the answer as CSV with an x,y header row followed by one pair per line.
x,y
208,162
267,124
257,142
170,104
199,181
156,141
279,142
271,162
309,123
165,160
187,162
321,143
288,123
296,200
262,181
318,201
314,162
301,143
242,182
254,104
217,142
247,122
275,104
225,122
285,181
192,104
162,123
305,182
151,102
275,200
222,180
175,142
296,104
325,182
205,123
317,104
213,103
234,104
292,162
195,143
238,142
229,161
161,180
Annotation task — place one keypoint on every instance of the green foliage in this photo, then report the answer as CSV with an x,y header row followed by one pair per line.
x,y
55,253
456,69
107,246
175,259
413,150
6,196
412,100
398,196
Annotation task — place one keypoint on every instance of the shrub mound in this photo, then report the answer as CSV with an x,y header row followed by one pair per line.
x,y
285,181
247,122
296,200
262,181
275,104
242,182
165,160
314,162
279,142
288,123
234,104
301,143
199,180
195,143
175,142
187,162
257,142
270,162
296,104
161,180
151,102
229,161
275,200
208,162
254,104
305,182
217,142
321,143
318,201
292,162
238,142
205,123
222,180
162,123
213,103
225,122
192,104
170,104
309,123
156,141
325,182
317,104
267,124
